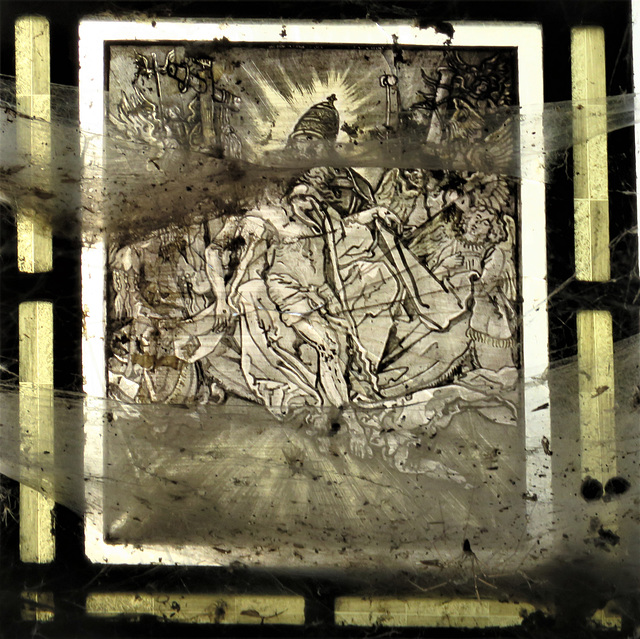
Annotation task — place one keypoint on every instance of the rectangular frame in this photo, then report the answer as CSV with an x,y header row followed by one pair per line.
x,y
526,38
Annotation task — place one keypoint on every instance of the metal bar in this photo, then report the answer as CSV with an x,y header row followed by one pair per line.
x,y
596,395
445,613
590,170
429,612
35,255
37,543
206,608
591,207
33,99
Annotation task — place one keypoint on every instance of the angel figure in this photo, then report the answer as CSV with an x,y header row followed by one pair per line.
x,y
477,240
468,249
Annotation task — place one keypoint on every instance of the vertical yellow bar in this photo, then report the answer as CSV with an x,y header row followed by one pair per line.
x,y
590,172
35,256
33,97
591,206
596,394
36,427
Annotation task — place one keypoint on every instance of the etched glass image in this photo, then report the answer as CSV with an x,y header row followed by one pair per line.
x,y
366,302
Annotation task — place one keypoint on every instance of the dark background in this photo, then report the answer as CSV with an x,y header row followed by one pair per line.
x,y
71,576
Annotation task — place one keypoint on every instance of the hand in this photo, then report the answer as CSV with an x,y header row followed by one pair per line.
x,y
388,218
222,315
233,300
453,262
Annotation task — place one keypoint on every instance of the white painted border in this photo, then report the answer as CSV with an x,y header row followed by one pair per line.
x,y
527,38
635,39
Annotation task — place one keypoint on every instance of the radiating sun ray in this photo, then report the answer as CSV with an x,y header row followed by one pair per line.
x,y
284,99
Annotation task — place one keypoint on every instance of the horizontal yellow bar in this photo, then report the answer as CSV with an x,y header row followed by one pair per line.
x,y
431,613
209,608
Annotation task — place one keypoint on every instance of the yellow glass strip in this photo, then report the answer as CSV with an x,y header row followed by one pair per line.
x,y
591,206
34,242
36,427
33,99
37,606
590,172
430,613
596,394
35,256
209,608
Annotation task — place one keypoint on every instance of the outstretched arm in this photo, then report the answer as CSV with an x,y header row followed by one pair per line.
x,y
215,273
252,230
381,213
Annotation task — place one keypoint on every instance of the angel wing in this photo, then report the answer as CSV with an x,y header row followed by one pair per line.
x,y
453,59
398,193
491,190
464,121
489,79
387,188
496,152
430,239
496,70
